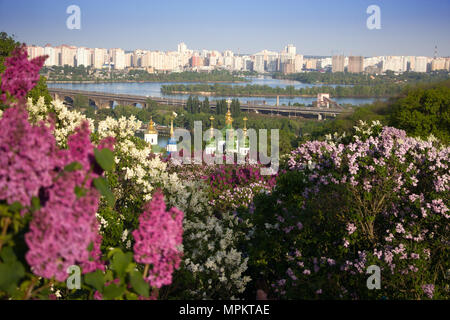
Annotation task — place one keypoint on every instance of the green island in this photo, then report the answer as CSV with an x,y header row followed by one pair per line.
x,y
357,91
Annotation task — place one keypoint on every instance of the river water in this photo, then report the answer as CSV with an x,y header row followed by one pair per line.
x,y
153,89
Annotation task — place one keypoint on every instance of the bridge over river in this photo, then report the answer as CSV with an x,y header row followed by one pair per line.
x,y
107,100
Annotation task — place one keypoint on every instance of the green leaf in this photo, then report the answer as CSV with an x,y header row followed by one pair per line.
x,y
113,291
120,262
73,166
95,279
79,191
10,274
139,284
7,254
35,203
102,185
15,207
105,158
131,296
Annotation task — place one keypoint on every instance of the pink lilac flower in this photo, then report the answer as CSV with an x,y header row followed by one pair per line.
x,y
21,74
429,290
158,239
27,156
64,231
351,228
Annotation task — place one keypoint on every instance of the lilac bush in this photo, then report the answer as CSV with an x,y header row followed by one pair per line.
x,y
376,198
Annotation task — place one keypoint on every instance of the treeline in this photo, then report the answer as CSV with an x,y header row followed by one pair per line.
x,y
364,79
359,91
195,106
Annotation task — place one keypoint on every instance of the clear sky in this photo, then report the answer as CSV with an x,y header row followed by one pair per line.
x,y
315,27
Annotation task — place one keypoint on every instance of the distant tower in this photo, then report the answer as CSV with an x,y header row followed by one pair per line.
x,y
245,148
435,52
172,143
211,145
151,136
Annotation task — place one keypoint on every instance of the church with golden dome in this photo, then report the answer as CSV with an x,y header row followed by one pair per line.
x,y
233,143
151,136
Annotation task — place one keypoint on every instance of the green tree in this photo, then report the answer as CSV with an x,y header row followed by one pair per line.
x,y
424,111
205,105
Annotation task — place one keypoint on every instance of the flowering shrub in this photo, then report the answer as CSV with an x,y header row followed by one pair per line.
x,y
136,176
157,241
49,198
233,187
376,198
54,240
64,121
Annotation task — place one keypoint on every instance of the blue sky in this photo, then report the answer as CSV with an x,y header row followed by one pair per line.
x,y
317,27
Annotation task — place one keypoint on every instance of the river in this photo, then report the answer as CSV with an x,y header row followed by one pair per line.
x,y
153,89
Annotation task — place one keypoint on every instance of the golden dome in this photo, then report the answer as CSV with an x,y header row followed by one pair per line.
x,y
228,118
151,127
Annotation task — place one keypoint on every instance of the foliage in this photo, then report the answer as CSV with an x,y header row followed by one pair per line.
x,y
424,111
377,197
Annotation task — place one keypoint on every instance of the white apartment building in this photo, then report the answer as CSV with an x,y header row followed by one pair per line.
x,y
83,57
394,63
117,58
290,50
421,64
53,56
298,62
259,62
68,55
99,58
324,62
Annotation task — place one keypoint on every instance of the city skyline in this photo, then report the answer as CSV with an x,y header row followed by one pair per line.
x,y
321,28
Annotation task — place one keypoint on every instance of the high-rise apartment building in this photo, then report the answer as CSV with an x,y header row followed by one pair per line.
x,y
291,50
53,56
118,58
355,64
438,64
83,57
259,63
298,61
395,63
310,64
338,63
68,55
99,57
421,64
182,48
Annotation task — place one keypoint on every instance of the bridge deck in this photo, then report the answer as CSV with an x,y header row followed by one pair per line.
x,y
178,102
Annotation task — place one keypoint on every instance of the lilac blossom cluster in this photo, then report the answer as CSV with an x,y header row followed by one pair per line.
x,y
64,231
21,74
158,240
